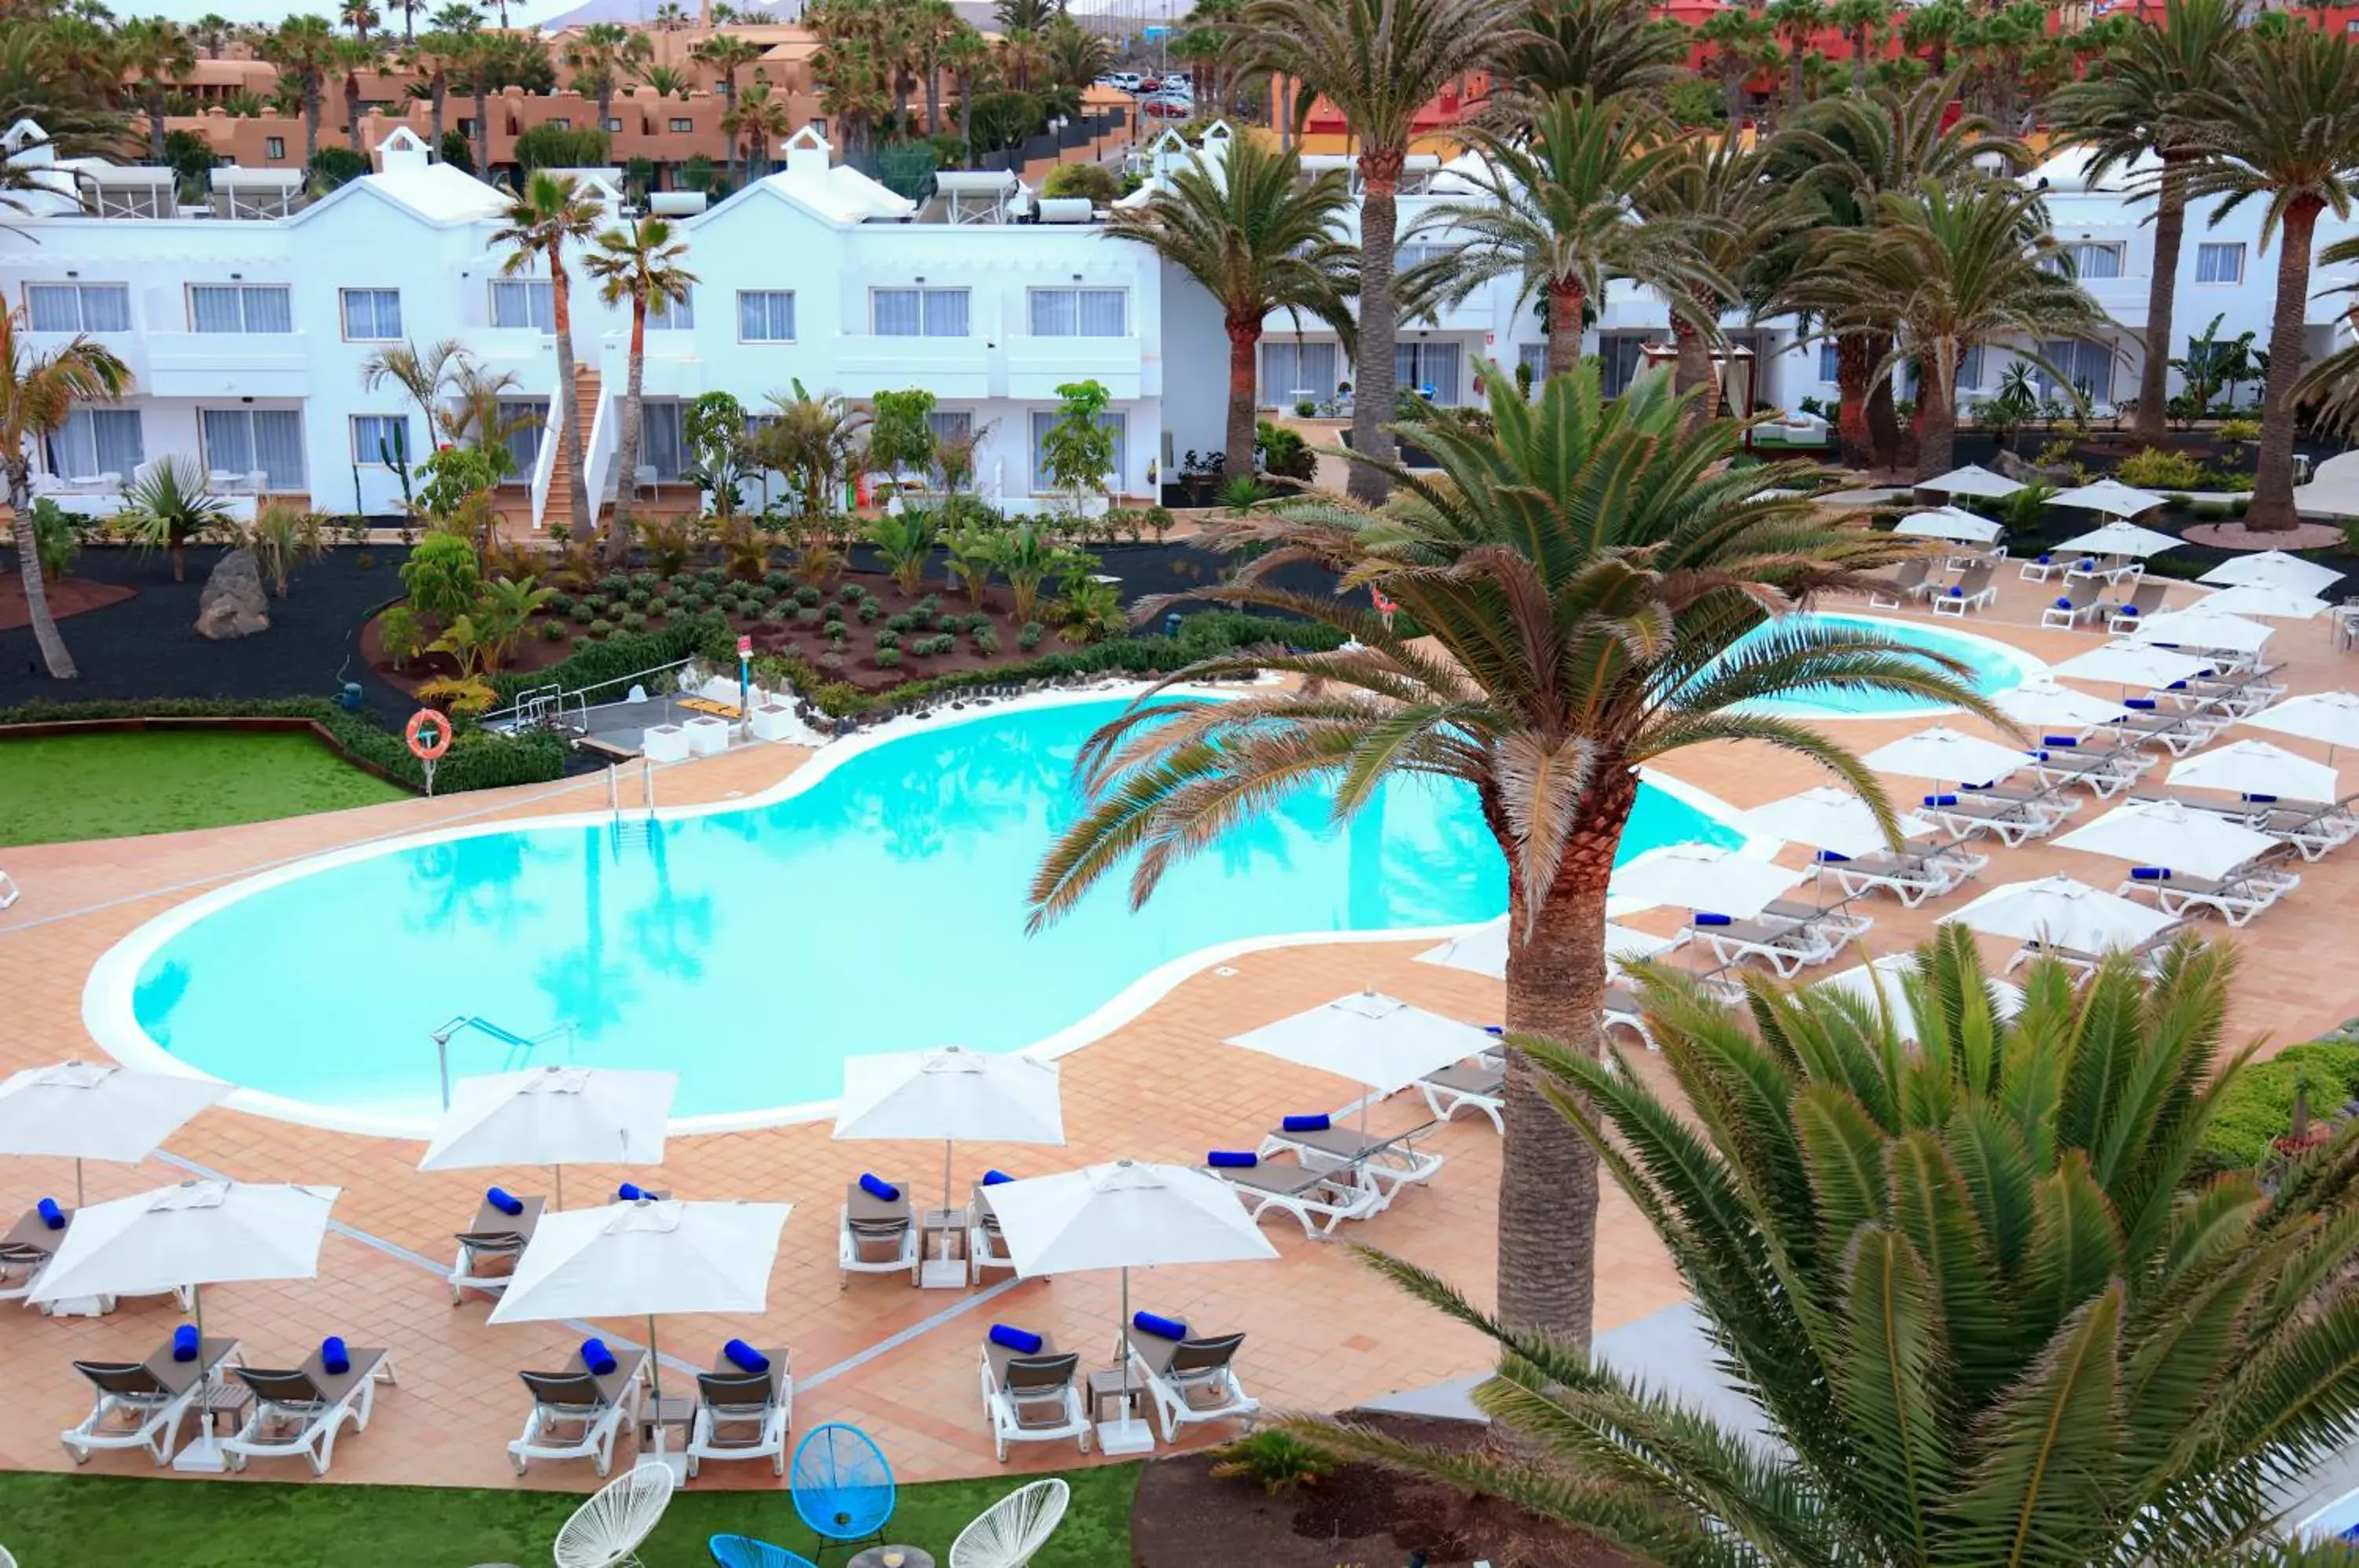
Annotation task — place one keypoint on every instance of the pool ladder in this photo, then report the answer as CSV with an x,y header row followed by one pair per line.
x,y
634,829
520,1047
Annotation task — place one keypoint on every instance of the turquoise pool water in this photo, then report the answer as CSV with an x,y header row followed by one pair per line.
x,y
1995,667
752,950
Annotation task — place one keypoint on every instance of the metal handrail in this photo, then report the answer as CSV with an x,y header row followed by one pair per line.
x,y
581,694
509,1038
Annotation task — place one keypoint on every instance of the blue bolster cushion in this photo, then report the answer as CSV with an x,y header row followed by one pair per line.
x,y
499,1198
1306,1124
629,1193
1957,593
2261,800
1704,918
744,1357
1232,1159
1162,1327
996,1177
51,1215
334,1359
2149,872
1831,858
597,1357
2063,604
2060,740
2178,686
2129,610
1940,800
1022,1341
184,1343
877,1187
1499,1030
2088,562
2143,704
2040,756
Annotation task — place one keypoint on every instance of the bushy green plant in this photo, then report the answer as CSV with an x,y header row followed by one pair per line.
x,y
1283,453
807,594
397,629
868,610
615,585
598,631
779,582
559,604
632,621
443,578
776,616
2259,1104
638,598
902,622
554,631
714,577
987,641
887,638
852,593
808,615
57,537
2240,430
1029,638
1278,1462
888,658
2154,468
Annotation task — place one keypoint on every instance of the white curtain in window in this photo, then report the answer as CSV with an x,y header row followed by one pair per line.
x,y
1052,313
1830,369
765,316
1044,420
215,309
1418,366
2219,263
2096,260
55,307
107,308
898,313
1103,312
660,439
525,418
1290,367
672,315
229,439
1970,368
1533,356
380,438
524,303
946,313
270,311
278,447
97,441
373,314
2088,366
951,423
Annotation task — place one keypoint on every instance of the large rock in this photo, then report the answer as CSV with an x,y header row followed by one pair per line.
x,y
2023,470
233,604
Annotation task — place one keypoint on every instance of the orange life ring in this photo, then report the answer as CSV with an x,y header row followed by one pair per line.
x,y
428,750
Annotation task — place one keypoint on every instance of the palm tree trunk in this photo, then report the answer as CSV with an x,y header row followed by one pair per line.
x,y
156,120
352,110
1859,62
933,100
2272,510
1853,363
2152,421
1732,89
577,485
310,121
1244,337
54,656
1556,989
482,129
1937,423
1794,72
1883,417
626,454
1566,297
1371,387
1692,370
434,113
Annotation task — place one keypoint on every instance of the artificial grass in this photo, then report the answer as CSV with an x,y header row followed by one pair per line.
x,y
58,787
48,1519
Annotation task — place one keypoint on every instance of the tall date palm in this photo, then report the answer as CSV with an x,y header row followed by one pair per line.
x,y
38,394
551,214
637,263
1581,577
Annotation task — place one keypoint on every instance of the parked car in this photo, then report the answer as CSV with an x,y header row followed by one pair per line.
x,y
1166,109
1125,80
1150,83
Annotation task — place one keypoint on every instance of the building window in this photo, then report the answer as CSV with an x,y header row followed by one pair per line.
x,y
681,126
918,312
521,422
2087,260
1081,312
2088,366
241,440
1292,370
2222,263
372,315
240,308
672,315
381,439
78,307
1533,358
560,123
1427,369
274,146
950,424
1043,419
1828,371
614,125
96,441
660,445
766,315
1970,368
524,304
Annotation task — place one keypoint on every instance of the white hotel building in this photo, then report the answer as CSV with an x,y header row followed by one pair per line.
x,y
246,322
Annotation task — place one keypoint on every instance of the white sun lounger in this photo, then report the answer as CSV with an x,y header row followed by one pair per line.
x,y
1191,1380
9,891
2179,733
1318,1200
494,1237
1030,1398
742,1414
298,1413
576,1412
2012,822
2237,898
1621,1011
1971,591
2083,965
1466,1084
987,1247
1787,947
140,1404
2104,770
874,1235
1382,1163
1912,876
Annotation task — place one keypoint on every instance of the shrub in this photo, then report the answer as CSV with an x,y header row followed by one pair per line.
x,y
775,615
2258,1105
869,610
1276,1461
887,638
851,593
600,630
632,621
558,604
638,598
807,616
615,585
714,577
647,581
888,658
594,603
931,604
902,622
2240,430
442,577
761,594
1094,180
1029,638
987,641
807,594
554,631
596,664
2156,469
583,612
1283,453
779,582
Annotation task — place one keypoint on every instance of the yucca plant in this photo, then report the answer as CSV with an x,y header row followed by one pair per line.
x,y
1982,1314
169,507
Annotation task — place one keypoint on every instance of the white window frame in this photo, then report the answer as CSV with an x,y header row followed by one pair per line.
x,y
344,314
79,292
244,292
1075,291
535,288
926,295
274,146
301,484
947,423
681,124
1112,478
88,419
794,319
667,315
366,454
2236,246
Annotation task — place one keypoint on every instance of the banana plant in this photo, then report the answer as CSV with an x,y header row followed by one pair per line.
x,y
906,541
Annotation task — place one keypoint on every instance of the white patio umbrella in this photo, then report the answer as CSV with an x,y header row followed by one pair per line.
x,y
2061,912
194,1235
2127,664
1948,755
1827,817
953,1094
1702,877
2259,599
2115,499
2256,767
1124,1215
1483,950
2200,628
1949,523
2041,703
1973,479
647,1258
1371,1038
95,1110
2329,716
2273,569
555,1116
1885,983
2165,833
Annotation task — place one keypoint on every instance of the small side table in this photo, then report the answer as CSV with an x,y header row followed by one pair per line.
x,y
670,1410
1129,1432
227,1398
943,1262
910,1556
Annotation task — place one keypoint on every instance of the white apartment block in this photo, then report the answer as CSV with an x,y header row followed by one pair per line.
x,y
247,321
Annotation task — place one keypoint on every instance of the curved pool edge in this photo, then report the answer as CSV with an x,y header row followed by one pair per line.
x,y
2030,665
109,990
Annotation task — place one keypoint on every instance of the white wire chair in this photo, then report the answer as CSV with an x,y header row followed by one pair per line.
x,y
607,1531
7,1561
1007,1533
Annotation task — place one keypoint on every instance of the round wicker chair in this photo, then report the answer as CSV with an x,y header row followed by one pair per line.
x,y
607,1531
1007,1533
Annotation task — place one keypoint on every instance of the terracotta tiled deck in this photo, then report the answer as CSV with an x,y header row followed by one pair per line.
x,y
1322,1331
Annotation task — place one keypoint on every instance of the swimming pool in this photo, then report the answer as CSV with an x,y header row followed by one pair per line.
x,y
875,903
1993,666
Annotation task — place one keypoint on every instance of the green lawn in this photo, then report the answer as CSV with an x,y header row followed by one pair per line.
x,y
111,786
58,1521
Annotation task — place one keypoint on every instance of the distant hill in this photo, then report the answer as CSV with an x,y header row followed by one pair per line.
x,y
645,11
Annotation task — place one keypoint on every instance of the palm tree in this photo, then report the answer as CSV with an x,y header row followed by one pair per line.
x,y
1984,1309
1556,213
935,22
436,56
473,412
1580,578
1933,29
638,263
167,505
815,443
478,65
1379,62
457,18
597,60
214,31
1259,238
1598,48
1859,21
2138,106
1741,42
353,56
1714,196
1025,16
757,117
409,9
2283,126
965,55
37,392
423,373
726,54
1956,269
159,54
303,48
665,80
360,16
1798,22
552,213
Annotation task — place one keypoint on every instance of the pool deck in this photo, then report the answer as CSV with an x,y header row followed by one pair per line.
x,y
1322,1331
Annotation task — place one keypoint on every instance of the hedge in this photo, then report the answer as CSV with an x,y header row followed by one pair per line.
x,y
477,759
2258,1105
1201,637
616,657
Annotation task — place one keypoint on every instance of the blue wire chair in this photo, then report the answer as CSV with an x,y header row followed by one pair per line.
x,y
842,1486
744,1551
